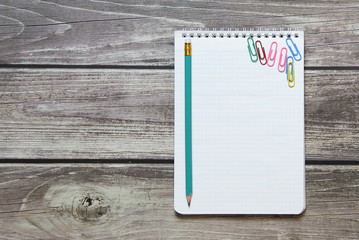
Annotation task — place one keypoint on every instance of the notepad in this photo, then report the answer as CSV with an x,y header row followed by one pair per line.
x,y
239,122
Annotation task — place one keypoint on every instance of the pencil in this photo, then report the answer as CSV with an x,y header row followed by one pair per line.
x,y
188,119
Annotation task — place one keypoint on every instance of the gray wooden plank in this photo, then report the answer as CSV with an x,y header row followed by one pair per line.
x,y
332,115
114,32
86,114
136,202
128,114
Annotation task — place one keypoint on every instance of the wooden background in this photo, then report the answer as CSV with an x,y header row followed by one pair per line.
x,y
87,83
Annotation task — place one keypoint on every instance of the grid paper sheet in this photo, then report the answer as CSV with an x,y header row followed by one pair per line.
x,y
248,129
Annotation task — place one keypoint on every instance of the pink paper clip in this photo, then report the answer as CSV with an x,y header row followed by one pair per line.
x,y
272,54
262,56
282,60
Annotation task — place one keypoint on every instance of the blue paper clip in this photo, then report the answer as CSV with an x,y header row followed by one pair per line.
x,y
252,54
296,53
286,69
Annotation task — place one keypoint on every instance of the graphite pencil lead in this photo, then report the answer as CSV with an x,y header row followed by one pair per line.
x,y
189,198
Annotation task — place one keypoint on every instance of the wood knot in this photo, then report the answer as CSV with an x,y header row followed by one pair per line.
x,y
91,208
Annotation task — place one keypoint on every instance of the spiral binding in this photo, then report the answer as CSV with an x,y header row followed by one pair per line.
x,y
240,33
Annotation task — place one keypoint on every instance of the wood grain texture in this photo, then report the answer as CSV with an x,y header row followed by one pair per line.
x,y
136,202
332,115
119,32
86,114
128,114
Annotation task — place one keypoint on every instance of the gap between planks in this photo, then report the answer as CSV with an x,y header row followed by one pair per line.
x,y
10,161
142,67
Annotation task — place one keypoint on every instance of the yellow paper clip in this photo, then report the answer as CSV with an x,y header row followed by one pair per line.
x,y
291,75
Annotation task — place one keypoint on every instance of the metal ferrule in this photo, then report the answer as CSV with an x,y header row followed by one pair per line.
x,y
187,49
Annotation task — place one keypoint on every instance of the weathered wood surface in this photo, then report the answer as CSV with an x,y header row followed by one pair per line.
x,y
114,32
136,202
128,114
120,114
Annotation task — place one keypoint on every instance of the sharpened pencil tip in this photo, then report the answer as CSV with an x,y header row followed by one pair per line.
x,y
189,198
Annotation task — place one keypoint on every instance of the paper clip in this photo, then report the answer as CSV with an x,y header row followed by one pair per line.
x,y
252,54
262,57
272,54
296,53
282,60
289,57
291,74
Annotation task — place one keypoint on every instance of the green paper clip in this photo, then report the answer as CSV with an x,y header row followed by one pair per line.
x,y
251,46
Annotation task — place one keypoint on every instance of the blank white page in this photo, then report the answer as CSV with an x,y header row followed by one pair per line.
x,y
247,129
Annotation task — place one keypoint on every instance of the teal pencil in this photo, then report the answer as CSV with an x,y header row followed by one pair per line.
x,y
188,119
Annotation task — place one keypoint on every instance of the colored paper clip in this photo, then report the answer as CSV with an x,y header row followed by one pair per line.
x,y
296,55
262,56
272,54
288,61
291,74
252,54
282,60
